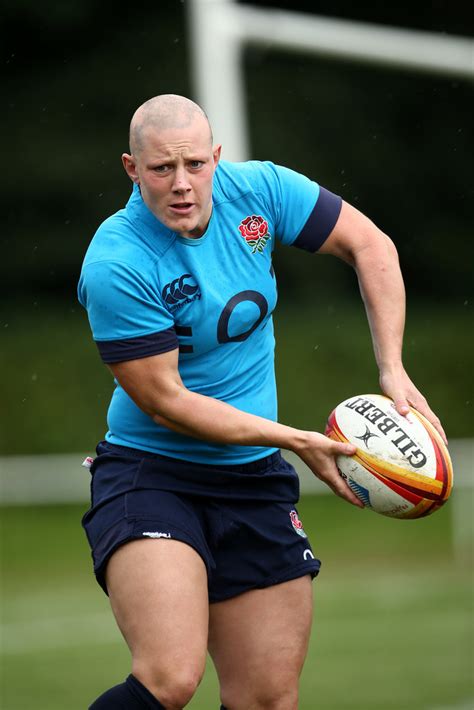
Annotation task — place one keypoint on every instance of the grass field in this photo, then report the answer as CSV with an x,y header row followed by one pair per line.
x,y
393,620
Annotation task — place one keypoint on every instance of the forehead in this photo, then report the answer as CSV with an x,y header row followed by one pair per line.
x,y
176,141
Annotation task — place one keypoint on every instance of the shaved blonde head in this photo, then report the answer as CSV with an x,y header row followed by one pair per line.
x,y
161,113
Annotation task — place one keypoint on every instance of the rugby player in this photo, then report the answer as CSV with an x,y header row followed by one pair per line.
x,y
193,523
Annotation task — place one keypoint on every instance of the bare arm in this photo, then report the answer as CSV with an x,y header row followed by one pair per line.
x,y
358,241
156,387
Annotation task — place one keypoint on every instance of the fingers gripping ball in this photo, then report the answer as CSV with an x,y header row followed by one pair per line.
x,y
402,467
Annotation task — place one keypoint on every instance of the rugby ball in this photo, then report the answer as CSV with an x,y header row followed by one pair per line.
x,y
402,467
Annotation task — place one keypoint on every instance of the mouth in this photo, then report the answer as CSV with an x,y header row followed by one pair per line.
x,y
182,208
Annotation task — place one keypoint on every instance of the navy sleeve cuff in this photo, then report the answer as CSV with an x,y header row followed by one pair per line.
x,y
321,221
136,348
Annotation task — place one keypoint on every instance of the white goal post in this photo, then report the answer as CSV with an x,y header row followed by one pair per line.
x,y
219,29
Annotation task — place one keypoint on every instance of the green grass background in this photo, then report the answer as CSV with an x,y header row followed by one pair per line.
x,y
392,628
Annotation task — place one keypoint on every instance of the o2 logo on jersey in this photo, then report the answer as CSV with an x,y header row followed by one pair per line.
x,y
223,335
181,291
223,323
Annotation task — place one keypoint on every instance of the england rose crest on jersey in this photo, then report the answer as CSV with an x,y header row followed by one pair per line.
x,y
254,230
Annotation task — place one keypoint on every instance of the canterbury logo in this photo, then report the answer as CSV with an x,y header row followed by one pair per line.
x,y
181,290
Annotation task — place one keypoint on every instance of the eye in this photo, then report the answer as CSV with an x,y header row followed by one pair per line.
x,y
161,168
196,164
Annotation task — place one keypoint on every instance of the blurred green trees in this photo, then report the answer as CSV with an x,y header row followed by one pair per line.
x,y
395,143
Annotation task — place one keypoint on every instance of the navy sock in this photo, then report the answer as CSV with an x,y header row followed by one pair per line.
x,y
131,695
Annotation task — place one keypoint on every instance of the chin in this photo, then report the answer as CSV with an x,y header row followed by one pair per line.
x,y
179,224
190,226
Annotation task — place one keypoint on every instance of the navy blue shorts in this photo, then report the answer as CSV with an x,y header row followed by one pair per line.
x,y
245,543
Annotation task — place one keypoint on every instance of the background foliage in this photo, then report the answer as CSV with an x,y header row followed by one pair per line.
x,y
395,143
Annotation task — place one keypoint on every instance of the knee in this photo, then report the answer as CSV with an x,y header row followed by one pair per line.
x,y
265,697
173,687
175,692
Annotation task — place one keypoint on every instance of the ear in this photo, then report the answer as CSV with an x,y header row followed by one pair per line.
x,y
216,154
129,163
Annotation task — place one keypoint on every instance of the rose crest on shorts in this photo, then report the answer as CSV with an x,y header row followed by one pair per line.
x,y
254,230
297,524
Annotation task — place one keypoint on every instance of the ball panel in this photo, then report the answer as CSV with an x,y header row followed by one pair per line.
x,y
401,467
333,430
444,466
379,494
403,476
372,423
424,508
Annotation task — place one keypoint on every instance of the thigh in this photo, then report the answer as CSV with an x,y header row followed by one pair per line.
x,y
258,642
158,593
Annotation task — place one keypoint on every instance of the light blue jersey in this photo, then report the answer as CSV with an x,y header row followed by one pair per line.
x,y
148,290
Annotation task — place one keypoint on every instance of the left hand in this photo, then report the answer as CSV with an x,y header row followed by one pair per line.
x,y
398,386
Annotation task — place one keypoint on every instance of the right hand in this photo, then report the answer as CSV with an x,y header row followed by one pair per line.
x,y
319,452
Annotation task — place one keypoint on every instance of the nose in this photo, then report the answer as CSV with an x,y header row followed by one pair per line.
x,y
181,182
